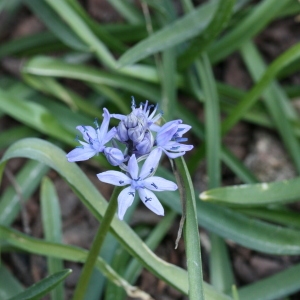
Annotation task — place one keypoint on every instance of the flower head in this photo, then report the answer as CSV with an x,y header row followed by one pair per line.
x,y
141,181
95,141
168,139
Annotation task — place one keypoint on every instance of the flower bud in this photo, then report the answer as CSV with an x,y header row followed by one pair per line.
x,y
122,132
145,146
114,156
137,133
131,120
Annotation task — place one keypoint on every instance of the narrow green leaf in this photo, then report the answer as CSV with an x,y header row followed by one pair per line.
x,y
249,26
191,231
56,25
81,29
202,41
127,10
35,116
283,284
229,224
28,179
27,44
51,218
42,288
256,194
276,101
281,216
252,96
177,32
9,285
43,66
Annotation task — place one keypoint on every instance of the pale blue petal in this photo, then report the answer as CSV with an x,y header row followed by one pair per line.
x,y
166,132
177,147
133,168
88,132
182,129
150,163
118,116
109,135
104,126
173,154
158,184
114,177
125,200
80,154
151,201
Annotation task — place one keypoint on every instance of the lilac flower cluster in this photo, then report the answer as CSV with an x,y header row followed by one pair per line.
x,y
138,137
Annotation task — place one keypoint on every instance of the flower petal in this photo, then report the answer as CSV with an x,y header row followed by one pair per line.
x,y
114,177
125,199
118,116
88,132
104,126
151,163
108,136
151,201
182,129
133,168
177,147
173,154
80,154
158,184
166,132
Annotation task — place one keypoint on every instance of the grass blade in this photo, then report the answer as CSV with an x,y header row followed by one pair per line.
x,y
51,218
42,288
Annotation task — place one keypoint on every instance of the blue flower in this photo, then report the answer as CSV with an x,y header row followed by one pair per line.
x,y
168,139
95,141
143,182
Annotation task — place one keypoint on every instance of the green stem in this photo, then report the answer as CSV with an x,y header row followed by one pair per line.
x,y
96,246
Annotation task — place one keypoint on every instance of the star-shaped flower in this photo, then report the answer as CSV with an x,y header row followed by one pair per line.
x,y
95,140
143,182
168,139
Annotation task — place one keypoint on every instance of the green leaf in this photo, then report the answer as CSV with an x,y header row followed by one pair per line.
x,y
56,25
28,179
276,101
42,288
229,224
252,96
34,115
191,231
176,32
247,28
256,194
202,41
43,66
9,285
89,195
283,284
51,218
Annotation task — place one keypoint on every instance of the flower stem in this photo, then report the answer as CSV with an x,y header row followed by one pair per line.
x,y
96,246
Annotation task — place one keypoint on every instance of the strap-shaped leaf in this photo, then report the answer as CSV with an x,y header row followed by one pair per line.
x,y
43,287
177,32
256,194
